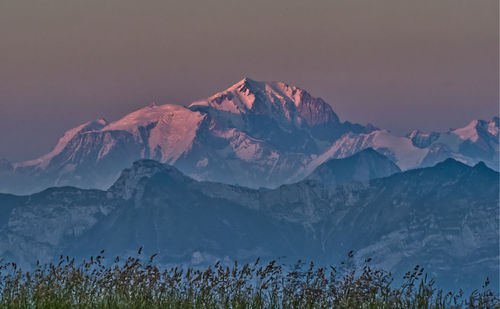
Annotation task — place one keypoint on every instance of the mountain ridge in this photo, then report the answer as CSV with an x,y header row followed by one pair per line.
x,y
256,134
390,219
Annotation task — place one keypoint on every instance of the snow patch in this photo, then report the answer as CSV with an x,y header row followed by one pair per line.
x,y
469,132
493,128
202,163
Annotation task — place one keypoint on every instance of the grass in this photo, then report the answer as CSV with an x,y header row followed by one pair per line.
x,y
137,283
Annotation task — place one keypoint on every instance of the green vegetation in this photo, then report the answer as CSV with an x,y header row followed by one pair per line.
x,y
135,283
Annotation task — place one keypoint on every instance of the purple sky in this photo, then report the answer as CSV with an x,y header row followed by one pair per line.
x,y
398,64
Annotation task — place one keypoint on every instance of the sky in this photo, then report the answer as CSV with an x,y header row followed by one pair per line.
x,y
398,64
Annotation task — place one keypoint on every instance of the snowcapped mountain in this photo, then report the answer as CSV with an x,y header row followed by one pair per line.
x,y
442,217
288,106
399,149
479,139
476,142
255,134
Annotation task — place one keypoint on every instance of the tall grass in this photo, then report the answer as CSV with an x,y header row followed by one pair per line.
x,y
137,283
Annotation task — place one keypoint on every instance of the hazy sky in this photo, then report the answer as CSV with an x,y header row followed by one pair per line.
x,y
397,64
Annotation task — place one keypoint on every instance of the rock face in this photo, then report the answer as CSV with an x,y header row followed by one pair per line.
x,y
254,134
422,140
443,218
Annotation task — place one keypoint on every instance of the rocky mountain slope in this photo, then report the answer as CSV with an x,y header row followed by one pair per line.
x,y
442,217
362,166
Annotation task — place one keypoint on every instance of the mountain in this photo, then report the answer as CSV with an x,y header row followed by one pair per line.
x,y
474,143
477,141
362,166
443,218
254,134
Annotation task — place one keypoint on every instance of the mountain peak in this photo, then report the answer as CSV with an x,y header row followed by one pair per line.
x,y
248,86
129,179
248,82
477,127
480,165
362,166
277,100
372,154
451,163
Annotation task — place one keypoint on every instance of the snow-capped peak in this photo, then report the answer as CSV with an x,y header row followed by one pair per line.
x,y
277,100
64,140
171,131
471,131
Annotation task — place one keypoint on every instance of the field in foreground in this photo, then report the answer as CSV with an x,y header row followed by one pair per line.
x,y
138,283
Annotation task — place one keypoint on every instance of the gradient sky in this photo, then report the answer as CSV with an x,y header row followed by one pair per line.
x,y
397,64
